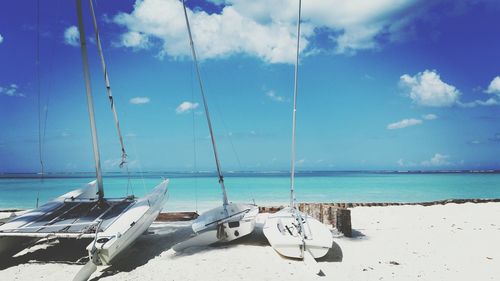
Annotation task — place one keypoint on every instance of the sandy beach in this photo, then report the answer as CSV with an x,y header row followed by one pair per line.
x,y
442,242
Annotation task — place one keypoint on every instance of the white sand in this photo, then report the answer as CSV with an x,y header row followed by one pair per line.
x,y
450,242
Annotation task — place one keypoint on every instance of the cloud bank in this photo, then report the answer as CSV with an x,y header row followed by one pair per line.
x,y
437,160
265,29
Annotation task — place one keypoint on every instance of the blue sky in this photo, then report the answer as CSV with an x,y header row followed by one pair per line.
x,y
386,85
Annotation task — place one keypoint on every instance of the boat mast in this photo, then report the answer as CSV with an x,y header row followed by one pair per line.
x,y
207,114
107,83
90,103
292,173
40,144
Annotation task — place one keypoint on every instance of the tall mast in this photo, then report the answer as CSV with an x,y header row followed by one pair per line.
x,y
90,103
107,83
292,174
40,144
207,113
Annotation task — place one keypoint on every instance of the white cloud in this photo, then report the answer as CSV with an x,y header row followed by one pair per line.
x,y
11,90
1,38
404,123
266,28
353,24
427,89
300,162
186,107
495,138
488,102
437,160
402,163
429,116
139,100
112,163
494,87
273,96
135,40
72,36
217,2
215,35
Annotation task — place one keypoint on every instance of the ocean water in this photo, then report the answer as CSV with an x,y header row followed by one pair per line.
x,y
189,193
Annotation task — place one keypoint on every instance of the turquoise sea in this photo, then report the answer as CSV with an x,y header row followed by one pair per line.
x,y
200,192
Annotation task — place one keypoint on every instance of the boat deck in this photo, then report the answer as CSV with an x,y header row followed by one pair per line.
x,y
71,217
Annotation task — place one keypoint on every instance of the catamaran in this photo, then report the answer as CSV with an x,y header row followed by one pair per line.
x,y
112,224
290,232
229,221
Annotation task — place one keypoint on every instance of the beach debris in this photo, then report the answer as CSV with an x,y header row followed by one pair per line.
x,y
176,216
394,263
338,217
490,258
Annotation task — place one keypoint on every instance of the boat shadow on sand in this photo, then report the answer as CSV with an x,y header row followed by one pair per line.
x,y
257,238
160,238
52,251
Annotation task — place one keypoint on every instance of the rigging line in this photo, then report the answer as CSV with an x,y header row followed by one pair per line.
x,y
140,166
107,84
207,113
40,152
110,94
50,65
224,125
292,173
90,103
129,184
219,112
129,181
195,158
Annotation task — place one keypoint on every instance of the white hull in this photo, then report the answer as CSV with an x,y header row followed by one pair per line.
x,y
21,232
281,230
133,222
76,214
238,222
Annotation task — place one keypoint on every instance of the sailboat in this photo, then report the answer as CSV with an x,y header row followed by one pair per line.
x,y
112,224
290,232
229,221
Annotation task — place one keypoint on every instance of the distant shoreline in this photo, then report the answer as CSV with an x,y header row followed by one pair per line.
x,y
180,174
